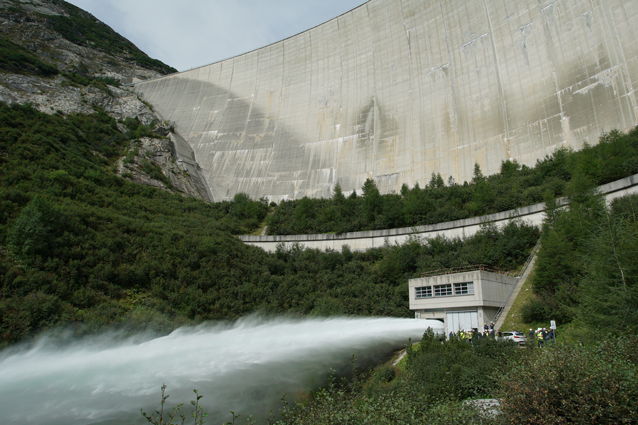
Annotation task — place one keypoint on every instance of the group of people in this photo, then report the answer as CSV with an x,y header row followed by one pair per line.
x,y
487,331
543,336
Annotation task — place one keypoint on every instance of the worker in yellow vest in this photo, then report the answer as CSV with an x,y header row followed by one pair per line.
x,y
539,336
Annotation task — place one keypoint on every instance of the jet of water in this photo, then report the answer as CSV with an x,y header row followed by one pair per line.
x,y
245,367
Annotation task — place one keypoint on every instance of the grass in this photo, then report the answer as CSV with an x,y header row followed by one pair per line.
x,y
514,320
259,230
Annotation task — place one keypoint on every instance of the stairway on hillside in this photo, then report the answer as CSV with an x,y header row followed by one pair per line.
x,y
516,291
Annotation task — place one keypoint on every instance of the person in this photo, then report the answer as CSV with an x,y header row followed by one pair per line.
x,y
500,334
485,328
491,327
549,336
531,336
539,336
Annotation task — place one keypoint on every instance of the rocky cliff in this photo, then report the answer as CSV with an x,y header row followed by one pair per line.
x,y
63,60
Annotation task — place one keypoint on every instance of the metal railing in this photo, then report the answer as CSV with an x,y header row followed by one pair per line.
x,y
463,269
518,278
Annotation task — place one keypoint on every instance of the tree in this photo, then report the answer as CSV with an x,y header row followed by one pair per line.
x,y
404,190
609,288
33,231
509,168
478,174
372,200
338,195
436,181
304,214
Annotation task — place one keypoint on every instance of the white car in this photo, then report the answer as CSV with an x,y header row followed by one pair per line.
x,y
515,336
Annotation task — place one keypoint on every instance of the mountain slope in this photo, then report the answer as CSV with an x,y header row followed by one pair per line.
x,y
63,60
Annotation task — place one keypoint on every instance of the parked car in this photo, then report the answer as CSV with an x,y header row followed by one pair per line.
x,y
515,336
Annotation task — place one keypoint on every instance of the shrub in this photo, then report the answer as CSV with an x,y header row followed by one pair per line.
x,y
534,310
15,58
594,385
32,232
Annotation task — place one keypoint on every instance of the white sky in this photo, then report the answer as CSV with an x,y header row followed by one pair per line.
x,y
190,33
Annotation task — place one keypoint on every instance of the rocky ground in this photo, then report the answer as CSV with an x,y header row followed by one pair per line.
x,y
147,153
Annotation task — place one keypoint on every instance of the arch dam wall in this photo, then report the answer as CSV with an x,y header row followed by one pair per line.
x,y
396,90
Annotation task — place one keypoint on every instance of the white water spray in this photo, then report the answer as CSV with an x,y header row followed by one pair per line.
x,y
245,367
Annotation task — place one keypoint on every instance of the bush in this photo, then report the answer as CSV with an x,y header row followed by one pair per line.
x,y
33,231
15,58
534,310
580,385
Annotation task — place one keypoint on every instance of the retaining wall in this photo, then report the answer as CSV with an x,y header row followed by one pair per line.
x,y
532,214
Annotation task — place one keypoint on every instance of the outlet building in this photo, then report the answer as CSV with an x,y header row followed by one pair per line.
x,y
463,300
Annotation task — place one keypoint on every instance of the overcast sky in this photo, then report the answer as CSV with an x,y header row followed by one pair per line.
x,y
190,33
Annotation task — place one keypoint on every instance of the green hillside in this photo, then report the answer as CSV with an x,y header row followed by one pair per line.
x,y
82,28
83,250
82,247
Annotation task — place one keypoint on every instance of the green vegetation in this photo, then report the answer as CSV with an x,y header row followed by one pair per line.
x,y
84,29
514,320
82,247
596,384
101,83
615,157
430,389
79,28
586,272
17,59
564,384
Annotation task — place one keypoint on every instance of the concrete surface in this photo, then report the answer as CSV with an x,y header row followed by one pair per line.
x,y
399,89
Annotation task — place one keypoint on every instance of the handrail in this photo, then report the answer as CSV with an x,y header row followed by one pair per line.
x,y
462,269
518,278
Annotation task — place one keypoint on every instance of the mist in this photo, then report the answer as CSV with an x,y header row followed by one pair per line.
x,y
245,366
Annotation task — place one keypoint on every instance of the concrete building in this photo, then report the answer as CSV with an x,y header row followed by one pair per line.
x,y
396,90
463,301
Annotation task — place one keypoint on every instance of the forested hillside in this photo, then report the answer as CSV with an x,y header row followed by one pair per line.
x,y
586,279
587,269
614,157
80,246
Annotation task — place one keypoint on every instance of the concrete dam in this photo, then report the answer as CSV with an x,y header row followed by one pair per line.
x,y
396,90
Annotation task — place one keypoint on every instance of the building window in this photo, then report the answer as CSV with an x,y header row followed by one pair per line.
x,y
442,290
465,288
423,292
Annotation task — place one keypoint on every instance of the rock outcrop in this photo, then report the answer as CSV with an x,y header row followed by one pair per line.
x,y
90,77
154,162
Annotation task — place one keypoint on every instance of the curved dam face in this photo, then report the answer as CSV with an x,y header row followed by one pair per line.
x,y
396,90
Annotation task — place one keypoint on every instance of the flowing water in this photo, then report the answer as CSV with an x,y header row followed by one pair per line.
x,y
245,367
